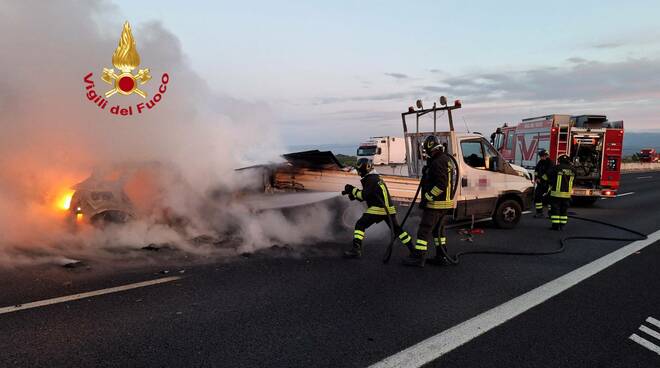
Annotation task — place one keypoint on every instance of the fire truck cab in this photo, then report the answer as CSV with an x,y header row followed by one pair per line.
x,y
593,143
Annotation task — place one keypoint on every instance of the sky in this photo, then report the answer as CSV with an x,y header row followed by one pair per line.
x,y
342,71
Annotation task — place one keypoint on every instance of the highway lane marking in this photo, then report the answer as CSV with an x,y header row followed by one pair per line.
x,y
436,346
645,343
653,321
649,332
89,294
620,195
644,177
625,194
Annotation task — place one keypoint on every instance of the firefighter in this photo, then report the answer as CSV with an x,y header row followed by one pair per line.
x,y
541,179
379,203
436,204
560,179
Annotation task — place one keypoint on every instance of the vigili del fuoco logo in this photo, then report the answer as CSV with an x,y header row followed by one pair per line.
x,y
124,82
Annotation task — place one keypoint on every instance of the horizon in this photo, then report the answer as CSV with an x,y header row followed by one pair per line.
x,y
348,69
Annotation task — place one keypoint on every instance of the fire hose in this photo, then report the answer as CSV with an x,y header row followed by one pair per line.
x,y
562,242
454,260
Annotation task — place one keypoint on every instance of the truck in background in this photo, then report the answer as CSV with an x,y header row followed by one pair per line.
x,y
384,150
649,155
593,143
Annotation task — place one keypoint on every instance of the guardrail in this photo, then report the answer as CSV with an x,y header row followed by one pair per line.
x,y
640,166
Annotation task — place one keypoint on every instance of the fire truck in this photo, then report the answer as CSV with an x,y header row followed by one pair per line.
x,y
593,143
649,155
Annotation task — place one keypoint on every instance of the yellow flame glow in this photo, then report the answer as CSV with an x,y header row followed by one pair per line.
x,y
64,201
126,57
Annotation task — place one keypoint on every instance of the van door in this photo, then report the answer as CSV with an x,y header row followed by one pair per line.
x,y
483,178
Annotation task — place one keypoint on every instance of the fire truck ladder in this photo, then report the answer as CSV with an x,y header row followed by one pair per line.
x,y
562,138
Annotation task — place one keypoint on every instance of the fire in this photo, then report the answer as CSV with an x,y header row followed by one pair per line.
x,y
64,201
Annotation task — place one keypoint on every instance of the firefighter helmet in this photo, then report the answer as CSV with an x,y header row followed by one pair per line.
x,y
564,159
364,166
543,153
432,145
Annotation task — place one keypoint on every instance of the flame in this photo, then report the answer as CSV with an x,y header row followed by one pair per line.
x,y
126,57
64,200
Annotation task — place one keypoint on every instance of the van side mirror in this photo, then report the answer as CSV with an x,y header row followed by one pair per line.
x,y
497,139
494,164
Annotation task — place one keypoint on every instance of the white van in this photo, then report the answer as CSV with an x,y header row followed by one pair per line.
x,y
484,184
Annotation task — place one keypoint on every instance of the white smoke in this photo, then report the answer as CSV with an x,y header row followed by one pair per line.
x,y
52,136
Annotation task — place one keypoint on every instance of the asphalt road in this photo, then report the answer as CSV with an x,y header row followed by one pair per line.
x,y
280,309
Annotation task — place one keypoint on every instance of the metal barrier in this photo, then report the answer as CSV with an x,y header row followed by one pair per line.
x,y
640,166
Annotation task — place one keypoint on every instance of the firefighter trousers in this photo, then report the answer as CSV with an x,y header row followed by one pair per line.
x,y
559,212
369,219
541,196
431,225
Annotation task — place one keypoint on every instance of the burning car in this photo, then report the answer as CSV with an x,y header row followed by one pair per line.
x,y
100,201
123,192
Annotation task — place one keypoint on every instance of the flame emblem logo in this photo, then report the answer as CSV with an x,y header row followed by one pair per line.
x,y
126,58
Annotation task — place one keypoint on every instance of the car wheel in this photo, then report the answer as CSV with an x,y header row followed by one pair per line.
x,y
507,214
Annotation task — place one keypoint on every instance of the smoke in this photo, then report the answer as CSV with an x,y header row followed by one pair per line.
x,y
53,137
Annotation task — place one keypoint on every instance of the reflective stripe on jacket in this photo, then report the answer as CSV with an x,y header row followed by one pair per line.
x,y
437,183
375,193
561,181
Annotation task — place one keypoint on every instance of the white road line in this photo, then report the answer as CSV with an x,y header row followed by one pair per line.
x,y
645,343
653,321
89,294
619,195
650,332
448,340
644,177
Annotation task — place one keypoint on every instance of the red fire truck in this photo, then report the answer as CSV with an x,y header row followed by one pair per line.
x,y
649,155
593,143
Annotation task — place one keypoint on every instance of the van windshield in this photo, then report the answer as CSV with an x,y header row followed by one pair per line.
x,y
366,151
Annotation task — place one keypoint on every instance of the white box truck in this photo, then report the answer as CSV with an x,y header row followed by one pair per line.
x,y
384,150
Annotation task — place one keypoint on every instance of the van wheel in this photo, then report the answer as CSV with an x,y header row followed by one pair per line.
x,y
507,215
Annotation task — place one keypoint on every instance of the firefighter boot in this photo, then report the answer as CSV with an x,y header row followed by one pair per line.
x,y
416,259
418,256
440,259
355,251
539,210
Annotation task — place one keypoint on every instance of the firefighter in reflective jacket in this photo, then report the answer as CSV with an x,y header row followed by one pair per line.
x,y
560,179
541,179
436,204
379,207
